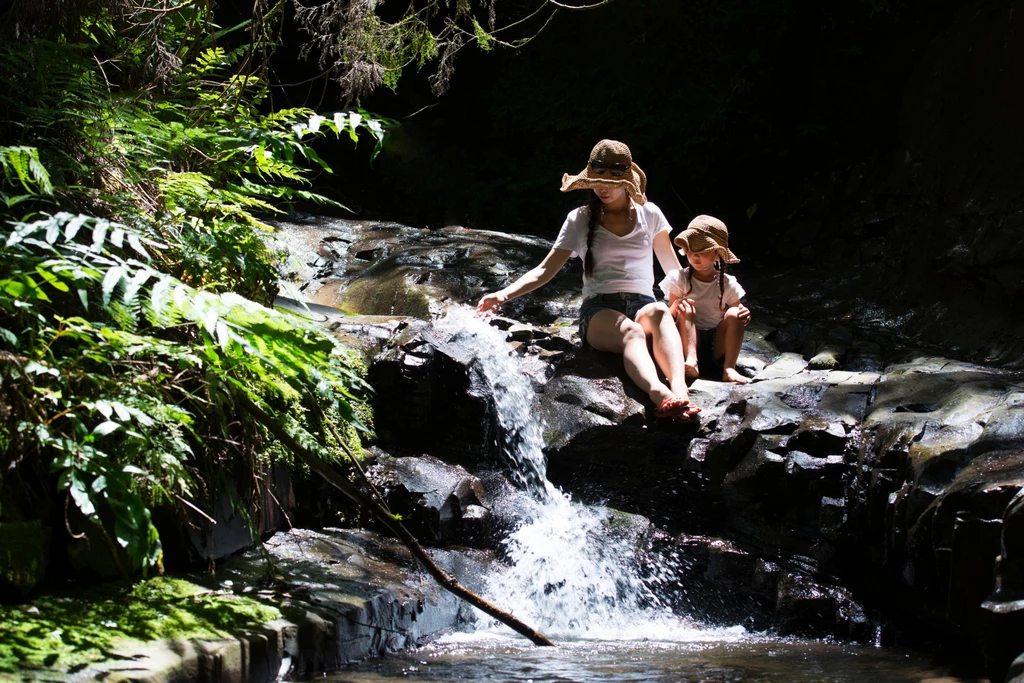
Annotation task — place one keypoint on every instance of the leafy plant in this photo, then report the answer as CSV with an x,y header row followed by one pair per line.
x,y
131,444
131,320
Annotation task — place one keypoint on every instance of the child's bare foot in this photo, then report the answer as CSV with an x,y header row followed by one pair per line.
x,y
733,375
691,371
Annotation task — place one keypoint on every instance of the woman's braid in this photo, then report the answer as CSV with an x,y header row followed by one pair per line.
x,y
595,217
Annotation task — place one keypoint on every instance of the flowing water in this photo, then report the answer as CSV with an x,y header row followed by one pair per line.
x,y
584,587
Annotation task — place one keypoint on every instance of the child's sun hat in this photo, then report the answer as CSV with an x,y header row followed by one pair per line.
x,y
705,233
610,165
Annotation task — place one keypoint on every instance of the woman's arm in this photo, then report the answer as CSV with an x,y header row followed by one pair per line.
x,y
665,253
529,281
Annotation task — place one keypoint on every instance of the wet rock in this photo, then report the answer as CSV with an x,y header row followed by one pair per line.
x,y
791,337
786,366
847,396
1004,429
353,595
585,394
819,437
440,504
428,399
805,607
377,268
717,581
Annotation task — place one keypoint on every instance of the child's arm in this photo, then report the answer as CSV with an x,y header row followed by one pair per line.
x,y
672,289
673,304
678,304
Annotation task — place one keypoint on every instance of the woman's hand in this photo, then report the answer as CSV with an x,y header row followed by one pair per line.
x,y
489,302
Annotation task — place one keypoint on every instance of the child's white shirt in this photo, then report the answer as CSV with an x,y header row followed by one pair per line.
x,y
706,295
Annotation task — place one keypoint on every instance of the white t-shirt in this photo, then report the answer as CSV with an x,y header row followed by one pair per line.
x,y
706,295
621,264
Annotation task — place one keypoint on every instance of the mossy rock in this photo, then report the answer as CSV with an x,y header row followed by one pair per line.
x,y
65,632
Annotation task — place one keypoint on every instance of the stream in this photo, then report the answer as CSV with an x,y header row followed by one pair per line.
x,y
571,576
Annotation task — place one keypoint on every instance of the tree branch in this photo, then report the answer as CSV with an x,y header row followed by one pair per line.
x,y
581,7
447,581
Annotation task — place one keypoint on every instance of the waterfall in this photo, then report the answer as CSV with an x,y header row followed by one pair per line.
x,y
571,575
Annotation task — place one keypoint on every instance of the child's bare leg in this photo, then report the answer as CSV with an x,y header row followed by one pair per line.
x,y
685,323
728,340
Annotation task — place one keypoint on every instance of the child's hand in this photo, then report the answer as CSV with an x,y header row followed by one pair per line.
x,y
743,313
684,306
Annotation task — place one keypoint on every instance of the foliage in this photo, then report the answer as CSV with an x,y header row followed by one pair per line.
x,y
136,279
132,444
360,47
196,168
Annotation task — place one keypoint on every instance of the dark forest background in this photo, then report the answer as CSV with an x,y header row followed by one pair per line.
x,y
867,156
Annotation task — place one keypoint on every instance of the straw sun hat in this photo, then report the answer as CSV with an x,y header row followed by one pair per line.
x,y
614,167
703,234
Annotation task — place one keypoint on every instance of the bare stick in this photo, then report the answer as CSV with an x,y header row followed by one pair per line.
x,y
447,581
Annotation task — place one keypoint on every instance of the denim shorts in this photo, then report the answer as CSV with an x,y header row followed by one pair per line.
x,y
627,303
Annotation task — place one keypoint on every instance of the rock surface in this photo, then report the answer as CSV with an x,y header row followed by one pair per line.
x,y
854,470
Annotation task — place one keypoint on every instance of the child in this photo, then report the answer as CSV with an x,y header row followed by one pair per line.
x,y
706,302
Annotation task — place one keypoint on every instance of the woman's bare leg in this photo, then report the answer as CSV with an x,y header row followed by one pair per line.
x,y
612,331
656,320
728,340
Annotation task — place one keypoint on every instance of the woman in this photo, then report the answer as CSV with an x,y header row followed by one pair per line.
x,y
616,235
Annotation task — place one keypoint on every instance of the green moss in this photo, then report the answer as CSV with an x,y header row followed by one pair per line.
x,y
60,632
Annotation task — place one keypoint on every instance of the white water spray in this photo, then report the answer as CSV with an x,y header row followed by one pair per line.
x,y
571,574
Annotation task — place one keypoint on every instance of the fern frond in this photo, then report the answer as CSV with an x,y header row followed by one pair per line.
x,y
23,164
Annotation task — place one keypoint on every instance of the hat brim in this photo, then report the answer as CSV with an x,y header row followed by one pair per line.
x,y
634,181
682,240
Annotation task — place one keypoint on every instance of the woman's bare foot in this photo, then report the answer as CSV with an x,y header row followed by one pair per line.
x,y
691,371
733,375
691,416
660,394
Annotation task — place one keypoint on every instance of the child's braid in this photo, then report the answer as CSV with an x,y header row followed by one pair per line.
x,y
720,267
595,217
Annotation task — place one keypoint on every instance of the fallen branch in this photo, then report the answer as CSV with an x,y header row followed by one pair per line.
x,y
447,581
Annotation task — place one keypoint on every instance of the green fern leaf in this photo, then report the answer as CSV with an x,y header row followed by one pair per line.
x,y
110,280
